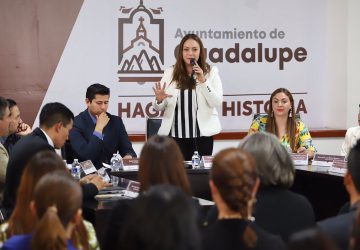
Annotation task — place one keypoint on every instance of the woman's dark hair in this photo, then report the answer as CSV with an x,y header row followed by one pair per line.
x,y
162,218
233,174
58,197
161,162
21,220
180,74
291,121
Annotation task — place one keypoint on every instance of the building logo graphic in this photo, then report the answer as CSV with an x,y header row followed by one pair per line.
x,y
141,44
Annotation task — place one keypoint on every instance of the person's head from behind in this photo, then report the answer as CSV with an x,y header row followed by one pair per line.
x,y
14,116
272,161
352,176
311,239
57,203
233,184
4,117
21,220
233,179
97,98
57,120
161,162
163,217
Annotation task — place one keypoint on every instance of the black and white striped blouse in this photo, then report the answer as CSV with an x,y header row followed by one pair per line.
x,y
185,122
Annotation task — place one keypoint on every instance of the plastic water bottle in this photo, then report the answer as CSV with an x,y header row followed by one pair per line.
x,y
75,169
116,164
195,160
120,165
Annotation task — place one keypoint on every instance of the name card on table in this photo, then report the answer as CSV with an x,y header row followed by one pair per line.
x,y
207,161
326,160
88,167
132,189
131,164
300,159
338,167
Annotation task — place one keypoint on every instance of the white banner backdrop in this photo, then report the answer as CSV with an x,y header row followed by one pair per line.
x,y
258,46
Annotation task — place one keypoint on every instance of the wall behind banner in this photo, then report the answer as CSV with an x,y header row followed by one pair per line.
x,y
34,43
33,35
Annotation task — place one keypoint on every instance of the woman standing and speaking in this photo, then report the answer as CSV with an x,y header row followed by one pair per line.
x,y
188,93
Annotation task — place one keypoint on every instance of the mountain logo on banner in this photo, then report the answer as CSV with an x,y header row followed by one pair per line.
x,y
141,44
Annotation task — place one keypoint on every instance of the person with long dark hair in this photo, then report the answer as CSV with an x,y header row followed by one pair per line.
x,y
281,121
22,221
188,93
168,223
57,213
160,163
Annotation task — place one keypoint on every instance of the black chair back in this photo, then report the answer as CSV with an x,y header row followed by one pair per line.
x,y
152,126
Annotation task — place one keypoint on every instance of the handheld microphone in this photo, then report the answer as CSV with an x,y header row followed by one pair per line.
x,y
193,63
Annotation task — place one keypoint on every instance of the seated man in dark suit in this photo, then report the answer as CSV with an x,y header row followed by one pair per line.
x,y
56,120
339,227
96,134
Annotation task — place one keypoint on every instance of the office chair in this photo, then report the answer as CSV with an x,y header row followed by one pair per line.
x,y
152,126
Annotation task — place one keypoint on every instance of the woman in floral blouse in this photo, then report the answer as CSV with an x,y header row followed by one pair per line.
x,y
282,121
